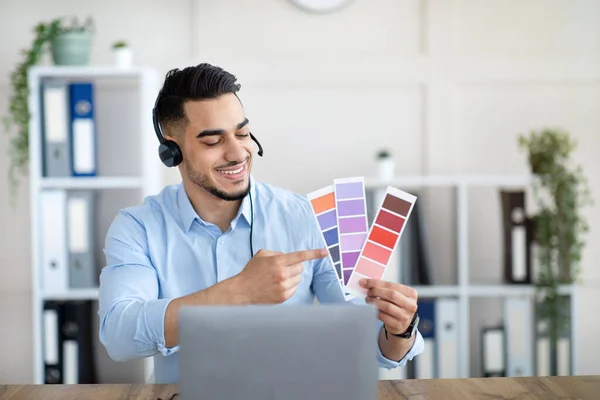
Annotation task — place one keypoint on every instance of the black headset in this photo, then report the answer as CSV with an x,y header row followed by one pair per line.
x,y
170,154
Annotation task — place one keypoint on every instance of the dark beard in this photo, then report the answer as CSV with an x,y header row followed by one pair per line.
x,y
203,182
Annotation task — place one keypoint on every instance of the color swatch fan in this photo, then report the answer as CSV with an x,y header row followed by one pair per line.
x,y
352,221
383,238
355,251
322,202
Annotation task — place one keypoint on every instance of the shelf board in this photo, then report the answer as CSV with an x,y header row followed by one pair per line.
x,y
95,71
91,183
449,180
437,290
509,290
73,294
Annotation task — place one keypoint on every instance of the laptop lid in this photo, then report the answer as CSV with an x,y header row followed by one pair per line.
x,y
278,352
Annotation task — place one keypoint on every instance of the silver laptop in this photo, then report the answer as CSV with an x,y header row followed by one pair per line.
x,y
278,352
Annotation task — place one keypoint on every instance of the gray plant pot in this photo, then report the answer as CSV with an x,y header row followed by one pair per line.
x,y
72,48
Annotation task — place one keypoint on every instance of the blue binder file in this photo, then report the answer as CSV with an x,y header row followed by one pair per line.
x,y
426,363
83,129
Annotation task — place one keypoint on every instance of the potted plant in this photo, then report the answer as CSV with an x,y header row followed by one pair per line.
x,y
69,46
560,190
386,165
72,43
122,54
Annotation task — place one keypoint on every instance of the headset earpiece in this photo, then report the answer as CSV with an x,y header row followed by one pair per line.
x,y
170,153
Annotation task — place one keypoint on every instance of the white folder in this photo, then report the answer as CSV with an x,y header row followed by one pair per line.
x,y
493,353
53,241
446,316
56,142
82,272
71,361
518,323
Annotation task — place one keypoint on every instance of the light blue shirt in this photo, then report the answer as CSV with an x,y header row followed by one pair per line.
x,y
162,249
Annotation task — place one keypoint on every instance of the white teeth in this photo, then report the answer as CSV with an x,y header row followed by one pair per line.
x,y
237,171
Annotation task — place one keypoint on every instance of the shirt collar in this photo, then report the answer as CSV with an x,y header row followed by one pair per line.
x,y
188,214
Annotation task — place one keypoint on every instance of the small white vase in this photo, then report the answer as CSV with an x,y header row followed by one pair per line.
x,y
123,57
386,169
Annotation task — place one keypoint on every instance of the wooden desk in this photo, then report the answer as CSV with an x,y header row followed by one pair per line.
x,y
546,388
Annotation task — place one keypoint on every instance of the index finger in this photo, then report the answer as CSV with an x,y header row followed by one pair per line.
x,y
297,257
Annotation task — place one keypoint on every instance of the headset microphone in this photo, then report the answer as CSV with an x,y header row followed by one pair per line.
x,y
260,149
260,153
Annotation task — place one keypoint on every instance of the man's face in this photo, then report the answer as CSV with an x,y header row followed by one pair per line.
x,y
217,148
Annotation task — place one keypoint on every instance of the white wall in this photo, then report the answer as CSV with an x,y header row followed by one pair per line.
x,y
448,85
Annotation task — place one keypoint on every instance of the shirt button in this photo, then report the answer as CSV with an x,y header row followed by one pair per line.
x,y
221,241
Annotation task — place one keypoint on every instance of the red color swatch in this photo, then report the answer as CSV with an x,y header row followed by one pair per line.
x,y
383,237
376,253
390,221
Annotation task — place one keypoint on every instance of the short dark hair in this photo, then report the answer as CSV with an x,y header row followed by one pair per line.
x,y
199,82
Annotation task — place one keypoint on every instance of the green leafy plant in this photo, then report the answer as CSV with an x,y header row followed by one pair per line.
x,y
17,120
119,44
561,191
382,154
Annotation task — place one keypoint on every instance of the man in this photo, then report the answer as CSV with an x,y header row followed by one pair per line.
x,y
220,237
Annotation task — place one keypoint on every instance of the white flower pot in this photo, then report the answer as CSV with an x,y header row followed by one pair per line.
x,y
123,57
386,169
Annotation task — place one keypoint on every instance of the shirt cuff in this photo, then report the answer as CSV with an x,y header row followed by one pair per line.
x,y
154,318
416,349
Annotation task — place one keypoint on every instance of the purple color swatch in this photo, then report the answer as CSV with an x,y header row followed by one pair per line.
x,y
347,273
351,207
327,220
349,259
351,221
350,190
353,224
352,242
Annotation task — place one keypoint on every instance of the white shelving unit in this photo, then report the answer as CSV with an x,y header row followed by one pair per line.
x,y
464,290
135,147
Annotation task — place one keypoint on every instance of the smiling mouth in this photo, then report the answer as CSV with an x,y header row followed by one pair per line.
x,y
233,173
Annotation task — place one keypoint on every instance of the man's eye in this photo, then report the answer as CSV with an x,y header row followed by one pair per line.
x,y
211,144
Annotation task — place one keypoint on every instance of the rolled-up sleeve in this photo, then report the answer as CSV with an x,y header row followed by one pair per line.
x,y
131,313
416,349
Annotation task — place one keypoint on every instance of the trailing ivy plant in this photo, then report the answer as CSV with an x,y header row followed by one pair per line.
x,y
561,191
18,106
16,123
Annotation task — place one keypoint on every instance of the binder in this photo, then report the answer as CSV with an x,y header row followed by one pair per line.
x,y
52,318
543,348
493,351
517,237
425,363
55,129
80,212
563,349
413,247
542,344
518,324
77,344
446,341
83,130
53,241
